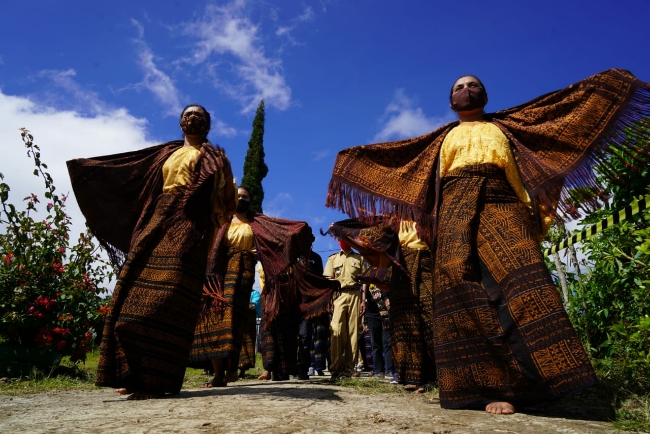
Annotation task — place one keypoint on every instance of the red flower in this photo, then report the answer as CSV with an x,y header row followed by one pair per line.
x,y
102,310
8,258
62,249
59,346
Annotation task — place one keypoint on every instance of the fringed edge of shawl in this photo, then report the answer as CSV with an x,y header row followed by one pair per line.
x,y
282,292
365,206
626,142
116,257
213,292
318,300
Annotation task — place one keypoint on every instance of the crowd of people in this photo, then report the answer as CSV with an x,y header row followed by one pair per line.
x,y
448,280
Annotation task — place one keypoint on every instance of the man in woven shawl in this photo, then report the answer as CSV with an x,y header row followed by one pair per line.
x,y
483,190
155,211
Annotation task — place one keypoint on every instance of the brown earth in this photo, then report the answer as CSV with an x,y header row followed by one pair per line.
x,y
312,406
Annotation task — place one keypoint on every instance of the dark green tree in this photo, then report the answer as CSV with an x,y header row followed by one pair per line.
x,y
255,169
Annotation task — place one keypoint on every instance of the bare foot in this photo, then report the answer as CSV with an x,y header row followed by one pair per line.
x,y
232,377
500,408
139,396
266,375
215,382
123,391
419,390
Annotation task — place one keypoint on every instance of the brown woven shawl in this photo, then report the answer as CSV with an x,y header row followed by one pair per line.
x,y
558,140
282,247
117,194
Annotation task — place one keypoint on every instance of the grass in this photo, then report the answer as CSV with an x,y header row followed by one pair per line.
x,y
67,376
631,413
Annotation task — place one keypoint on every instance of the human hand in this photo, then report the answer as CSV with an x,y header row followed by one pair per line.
x,y
387,303
362,308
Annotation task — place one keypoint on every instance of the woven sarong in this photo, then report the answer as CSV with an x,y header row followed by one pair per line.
x,y
247,354
501,332
219,332
148,331
320,341
411,316
280,343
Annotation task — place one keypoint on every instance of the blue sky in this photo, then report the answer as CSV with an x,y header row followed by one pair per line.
x,y
94,78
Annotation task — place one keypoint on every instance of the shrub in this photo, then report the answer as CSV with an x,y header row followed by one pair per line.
x,y
50,291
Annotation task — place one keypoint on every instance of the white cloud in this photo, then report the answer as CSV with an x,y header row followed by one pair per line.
x,y
227,31
62,135
402,120
220,128
155,80
278,206
282,30
306,15
319,155
76,96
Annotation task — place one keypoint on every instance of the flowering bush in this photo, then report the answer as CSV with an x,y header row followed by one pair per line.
x,y
50,290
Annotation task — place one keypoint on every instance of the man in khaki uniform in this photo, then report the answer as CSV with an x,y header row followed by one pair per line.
x,y
345,266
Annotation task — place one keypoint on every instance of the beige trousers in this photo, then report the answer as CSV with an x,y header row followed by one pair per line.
x,y
344,331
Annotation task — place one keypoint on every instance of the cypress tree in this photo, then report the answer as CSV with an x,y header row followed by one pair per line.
x,y
254,167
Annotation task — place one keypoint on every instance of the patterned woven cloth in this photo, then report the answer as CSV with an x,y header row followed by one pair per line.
x,y
500,330
557,139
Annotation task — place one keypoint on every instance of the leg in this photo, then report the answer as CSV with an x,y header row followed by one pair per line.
x,y
354,321
338,328
376,343
219,380
304,347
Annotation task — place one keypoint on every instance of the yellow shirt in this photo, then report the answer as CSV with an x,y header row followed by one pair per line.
x,y
179,167
484,143
408,236
240,236
260,271
345,268
177,173
481,143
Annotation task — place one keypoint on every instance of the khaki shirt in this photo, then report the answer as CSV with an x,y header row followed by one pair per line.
x,y
345,268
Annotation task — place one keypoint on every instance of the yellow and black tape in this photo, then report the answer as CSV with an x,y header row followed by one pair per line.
x,y
626,213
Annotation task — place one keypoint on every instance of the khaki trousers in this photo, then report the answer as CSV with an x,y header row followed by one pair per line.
x,y
344,331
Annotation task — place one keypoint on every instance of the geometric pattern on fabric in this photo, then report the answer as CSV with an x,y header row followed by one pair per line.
x,y
501,332
148,330
247,354
219,332
411,318
280,345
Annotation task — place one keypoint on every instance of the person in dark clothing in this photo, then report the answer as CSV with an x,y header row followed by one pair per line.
x,y
377,317
307,326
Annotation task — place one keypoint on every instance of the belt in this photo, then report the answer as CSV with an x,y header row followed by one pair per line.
x,y
351,288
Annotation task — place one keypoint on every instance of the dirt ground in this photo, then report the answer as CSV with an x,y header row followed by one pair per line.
x,y
312,406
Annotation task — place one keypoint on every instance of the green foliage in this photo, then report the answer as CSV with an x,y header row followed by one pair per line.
x,y
255,169
609,304
50,290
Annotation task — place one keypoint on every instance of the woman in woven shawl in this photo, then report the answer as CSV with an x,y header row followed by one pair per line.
x,y
158,209
220,330
483,190
278,244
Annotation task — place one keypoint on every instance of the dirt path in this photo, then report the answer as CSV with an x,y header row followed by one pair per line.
x,y
275,407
